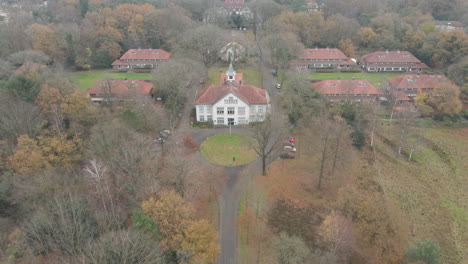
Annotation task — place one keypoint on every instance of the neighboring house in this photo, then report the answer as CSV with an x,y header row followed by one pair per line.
x,y
141,59
388,61
313,6
119,90
322,58
232,102
341,90
412,85
29,67
399,96
233,51
448,25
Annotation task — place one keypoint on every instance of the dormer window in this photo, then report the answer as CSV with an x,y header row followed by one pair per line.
x,y
411,80
133,52
334,52
155,52
405,55
332,85
361,85
382,56
311,52
231,77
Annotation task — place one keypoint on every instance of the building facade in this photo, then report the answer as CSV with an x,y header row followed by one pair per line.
x,y
323,58
392,61
411,85
141,59
232,102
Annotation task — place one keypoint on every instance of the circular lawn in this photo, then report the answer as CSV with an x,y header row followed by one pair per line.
x,y
228,150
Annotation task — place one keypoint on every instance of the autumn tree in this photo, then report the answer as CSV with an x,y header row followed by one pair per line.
x,y
291,250
338,27
366,36
28,156
44,38
267,136
201,239
446,100
21,57
173,216
203,42
347,47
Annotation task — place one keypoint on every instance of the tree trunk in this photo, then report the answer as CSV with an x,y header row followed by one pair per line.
x,y
322,162
264,166
337,148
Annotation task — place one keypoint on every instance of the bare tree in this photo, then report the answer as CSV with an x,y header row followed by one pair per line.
x,y
204,42
267,138
18,118
96,174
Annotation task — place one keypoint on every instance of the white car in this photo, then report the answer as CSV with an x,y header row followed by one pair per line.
x,y
278,86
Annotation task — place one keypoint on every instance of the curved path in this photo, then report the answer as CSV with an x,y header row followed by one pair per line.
x,y
234,186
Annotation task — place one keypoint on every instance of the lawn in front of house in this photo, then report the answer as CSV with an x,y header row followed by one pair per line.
x,y
251,74
222,148
86,79
375,78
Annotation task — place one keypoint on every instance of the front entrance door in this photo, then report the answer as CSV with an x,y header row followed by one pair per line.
x,y
230,121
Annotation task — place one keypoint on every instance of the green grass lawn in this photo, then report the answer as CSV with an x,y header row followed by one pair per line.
x,y
86,79
220,149
374,78
251,75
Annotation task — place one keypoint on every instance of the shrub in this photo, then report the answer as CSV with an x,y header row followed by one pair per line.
x,y
426,251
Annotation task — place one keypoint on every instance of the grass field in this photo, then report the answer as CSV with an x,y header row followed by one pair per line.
x,y
429,191
251,75
374,78
86,79
220,149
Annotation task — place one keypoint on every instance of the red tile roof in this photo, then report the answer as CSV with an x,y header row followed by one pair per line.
x,y
121,87
29,67
247,93
345,87
399,95
322,54
390,56
422,81
146,54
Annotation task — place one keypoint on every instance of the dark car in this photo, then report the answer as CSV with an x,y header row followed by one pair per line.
x,y
274,72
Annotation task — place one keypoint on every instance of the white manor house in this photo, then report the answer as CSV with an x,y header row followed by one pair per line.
x,y
232,102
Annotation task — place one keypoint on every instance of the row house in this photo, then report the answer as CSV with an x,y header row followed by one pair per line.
x,y
119,90
141,59
322,58
411,85
392,61
342,90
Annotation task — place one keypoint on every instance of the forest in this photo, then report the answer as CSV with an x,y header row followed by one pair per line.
x,y
100,183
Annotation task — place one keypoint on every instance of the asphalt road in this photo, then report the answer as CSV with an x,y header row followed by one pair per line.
x,y
234,186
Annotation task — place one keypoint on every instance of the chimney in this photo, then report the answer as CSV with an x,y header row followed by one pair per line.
x,y
386,51
398,51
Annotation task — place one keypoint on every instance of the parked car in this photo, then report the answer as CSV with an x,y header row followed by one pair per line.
x,y
287,155
274,72
278,86
289,148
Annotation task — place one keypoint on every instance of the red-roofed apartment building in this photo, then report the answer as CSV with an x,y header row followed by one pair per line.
x,y
232,102
119,90
412,85
354,90
141,59
322,58
388,61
